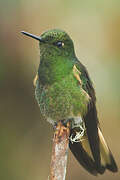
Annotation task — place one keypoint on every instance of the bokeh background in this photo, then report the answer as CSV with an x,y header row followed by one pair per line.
x,y
25,138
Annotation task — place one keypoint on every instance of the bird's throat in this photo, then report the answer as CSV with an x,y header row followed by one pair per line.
x,y
54,70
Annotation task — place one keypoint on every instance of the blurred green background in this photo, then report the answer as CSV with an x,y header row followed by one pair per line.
x,y
25,138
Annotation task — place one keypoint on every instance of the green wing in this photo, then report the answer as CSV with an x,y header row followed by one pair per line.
x,y
90,118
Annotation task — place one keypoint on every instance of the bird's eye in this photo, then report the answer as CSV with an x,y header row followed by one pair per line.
x,y
60,44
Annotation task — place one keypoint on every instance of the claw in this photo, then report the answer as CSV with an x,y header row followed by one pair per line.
x,y
79,135
66,121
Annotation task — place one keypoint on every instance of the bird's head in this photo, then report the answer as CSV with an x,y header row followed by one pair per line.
x,y
54,43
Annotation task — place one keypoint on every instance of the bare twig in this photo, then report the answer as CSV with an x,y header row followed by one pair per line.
x,y
59,152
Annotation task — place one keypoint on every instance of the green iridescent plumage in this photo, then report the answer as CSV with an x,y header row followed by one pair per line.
x,y
63,99
64,91
58,92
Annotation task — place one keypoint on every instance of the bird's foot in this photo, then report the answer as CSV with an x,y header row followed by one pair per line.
x,y
66,121
60,128
79,134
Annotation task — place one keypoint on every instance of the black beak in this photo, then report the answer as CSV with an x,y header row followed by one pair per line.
x,y
32,36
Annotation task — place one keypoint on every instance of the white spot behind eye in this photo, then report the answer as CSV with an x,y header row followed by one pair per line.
x,y
63,44
60,44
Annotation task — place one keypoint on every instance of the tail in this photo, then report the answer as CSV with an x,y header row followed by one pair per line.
x,y
107,159
83,154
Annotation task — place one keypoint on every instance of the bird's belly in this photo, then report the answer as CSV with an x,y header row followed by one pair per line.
x,y
61,100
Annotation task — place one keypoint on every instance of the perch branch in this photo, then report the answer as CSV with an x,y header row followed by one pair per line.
x,y
59,152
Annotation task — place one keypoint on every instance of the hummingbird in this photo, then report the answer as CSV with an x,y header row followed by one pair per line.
x,y
64,91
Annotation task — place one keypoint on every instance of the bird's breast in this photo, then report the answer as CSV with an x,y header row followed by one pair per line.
x,y
61,99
